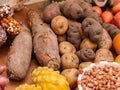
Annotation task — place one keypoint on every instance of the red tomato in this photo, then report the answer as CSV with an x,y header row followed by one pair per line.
x,y
107,16
97,9
116,8
116,19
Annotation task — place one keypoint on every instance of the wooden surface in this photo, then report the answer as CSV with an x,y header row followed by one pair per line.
x,y
20,16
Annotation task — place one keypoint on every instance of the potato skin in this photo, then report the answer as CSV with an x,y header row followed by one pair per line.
x,y
69,60
66,47
19,56
105,41
103,54
51,11
71,76
59,25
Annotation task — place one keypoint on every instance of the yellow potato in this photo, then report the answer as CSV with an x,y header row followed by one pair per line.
x,y
59,25
66,47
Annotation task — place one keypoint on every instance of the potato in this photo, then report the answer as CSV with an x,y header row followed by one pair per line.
x,y
106,41
61,38
65,47
86,54
69,60
71,10
92,29
103,54
59,25
88,43
83,65
51,11
74,34
71,76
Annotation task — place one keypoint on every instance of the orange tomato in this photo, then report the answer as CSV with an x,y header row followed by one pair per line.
x,y
97,9
107,16
116,8
116,43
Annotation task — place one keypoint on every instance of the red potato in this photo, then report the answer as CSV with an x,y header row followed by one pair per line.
x,y
44,41
19,56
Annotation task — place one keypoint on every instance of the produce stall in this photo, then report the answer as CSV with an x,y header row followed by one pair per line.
x,y
78,39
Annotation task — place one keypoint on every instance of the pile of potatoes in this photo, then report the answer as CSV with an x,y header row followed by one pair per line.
x,y
82,36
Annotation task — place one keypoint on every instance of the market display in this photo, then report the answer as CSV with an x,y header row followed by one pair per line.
x,y
65,39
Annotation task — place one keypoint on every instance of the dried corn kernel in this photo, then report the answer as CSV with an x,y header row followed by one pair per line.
x,y
28,87
49,79
5,11
11,25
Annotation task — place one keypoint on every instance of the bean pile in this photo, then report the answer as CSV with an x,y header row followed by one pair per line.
x,y
106,77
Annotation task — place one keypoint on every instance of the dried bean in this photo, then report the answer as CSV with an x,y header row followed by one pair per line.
x,y
106,77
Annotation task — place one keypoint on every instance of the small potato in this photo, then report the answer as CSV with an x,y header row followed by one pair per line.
x,y
106,41
69,60
71,76
61,37
83,65
87,43
65,47
59,25
52,10
103,54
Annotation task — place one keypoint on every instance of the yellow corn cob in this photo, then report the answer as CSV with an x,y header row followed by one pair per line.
x,y
49,79
28,87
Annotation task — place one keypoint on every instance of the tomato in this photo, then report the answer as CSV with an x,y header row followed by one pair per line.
x,y
116,19
116,8
97,9
107,16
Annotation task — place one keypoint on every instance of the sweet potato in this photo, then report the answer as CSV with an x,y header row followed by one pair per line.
x,y
19,56
44,41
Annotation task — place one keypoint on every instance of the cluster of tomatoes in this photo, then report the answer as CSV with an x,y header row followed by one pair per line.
x,y
111,15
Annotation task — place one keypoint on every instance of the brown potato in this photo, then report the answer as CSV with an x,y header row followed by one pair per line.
x,y
65,47
106,41
69,60
61,37
103,54
59,25
83,65
88,43
71,76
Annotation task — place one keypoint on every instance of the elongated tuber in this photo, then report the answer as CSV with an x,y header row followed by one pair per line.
x,y
19,56
44,41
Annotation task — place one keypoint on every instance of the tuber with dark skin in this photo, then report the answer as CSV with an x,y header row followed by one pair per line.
x,y
44,41
19,55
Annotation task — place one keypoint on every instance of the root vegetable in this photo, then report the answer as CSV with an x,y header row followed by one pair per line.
x,y
90,31
88,43
51,11
71,76
69,60
3,36
66,47
74,34
86,54
71,10
103,54
44,41
83,65
105,41
59,25
19,56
